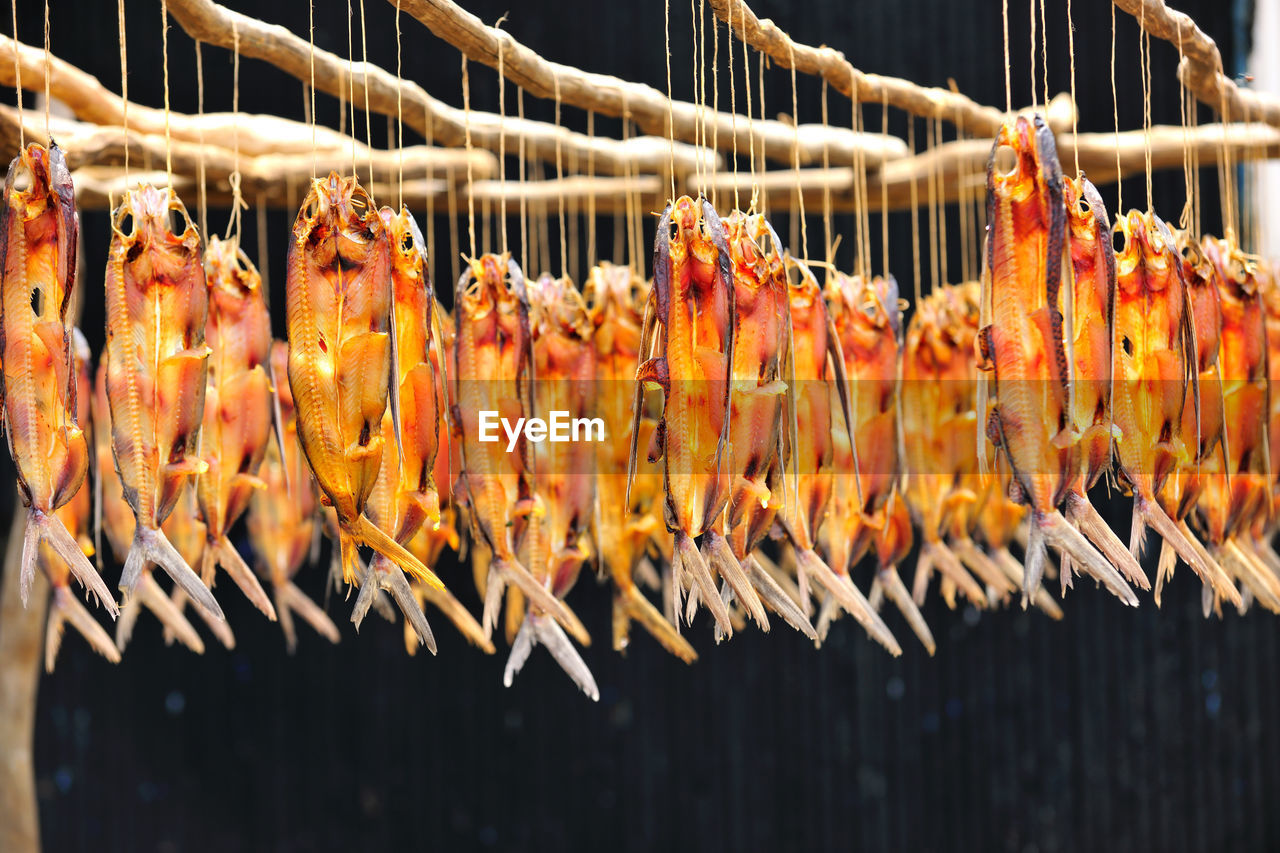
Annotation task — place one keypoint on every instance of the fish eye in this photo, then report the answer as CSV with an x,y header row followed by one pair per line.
x,y
37,300
1006,161
23,178
1127,344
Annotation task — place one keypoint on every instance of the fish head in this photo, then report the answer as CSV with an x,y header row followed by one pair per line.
x,y
339,218
231,277
1024,161
156,218
1203,296
408,247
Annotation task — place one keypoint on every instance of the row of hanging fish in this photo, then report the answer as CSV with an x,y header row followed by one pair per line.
x,y
752,437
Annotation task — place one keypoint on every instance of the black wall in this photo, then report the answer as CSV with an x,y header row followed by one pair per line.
x,y
1114,729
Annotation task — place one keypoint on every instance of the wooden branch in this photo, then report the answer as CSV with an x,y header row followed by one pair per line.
x,y
21,639
831,65
207,21
650,108
576,187
1201,67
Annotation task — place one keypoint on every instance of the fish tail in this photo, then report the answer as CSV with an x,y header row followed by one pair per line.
x,y
1058,532
290,600
148,594
48,528
219,628
896,591
455,612
698,572
373,536
1187,546
721,558
1081,512
225,555
630,605
949,566
382,574
537,629
777,596
1013,570
849,596
1164,568
979,563
1254,575
504,571
66,609
150,545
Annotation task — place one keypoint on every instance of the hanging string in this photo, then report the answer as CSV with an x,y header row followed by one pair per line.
x,y
17,76
237,200
962,205
1008,85
466,126
502,136
915,213
1185,218
863,207
715,95
203,194
1144,69
671,116
399,118
941,210
757,189
351,90
428,201
455,253
573,211
698,129
826,187
884,187
632,212
795,154
524,202
1227,177
1035,102
1044,56
48,70
311,89
1115,114
751,127
124,79
164,55
733,110
934,249
564,249
368,122
591,195
1075,109
264,268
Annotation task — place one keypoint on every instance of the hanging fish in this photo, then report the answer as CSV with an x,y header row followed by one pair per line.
x,y
551,525
76,515
816,366
1024,348
282,517
157,305
341,370
237,409
623,530
492,371
404,497
38,228
867,316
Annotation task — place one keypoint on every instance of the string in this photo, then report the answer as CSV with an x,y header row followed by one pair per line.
x,y
698,128
1044,55
733,110
237,201
932,190
351,90
1115,113
311,89
591,195
399,117
884,187
1185,218
466,127
751,128
826,168
17,76
164,54
368,122
454,254
1035,101
864,205
1008,85
671,116
524,202
264,269
48,69
502,135
427,200
564,249
915,216
941,209
962,205
757,190
572,206
795,154
1144,69
124,79
200,169
1075,110
715,95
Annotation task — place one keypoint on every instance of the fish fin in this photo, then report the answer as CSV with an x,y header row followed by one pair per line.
x,y
150,545
1081,512
720,557
1259,582
1059,533
509,571
896,591
697,569
540,630
976,561
291,599
219,628
949,566
66,609
1188,547
48,528
226,555
630,604
841,588
373,536
455,612
152,597
1014,571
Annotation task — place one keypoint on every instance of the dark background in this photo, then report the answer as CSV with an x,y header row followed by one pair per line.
x,y
1114,729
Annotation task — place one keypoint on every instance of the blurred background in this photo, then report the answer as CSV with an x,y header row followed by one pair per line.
x,y
1113,729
